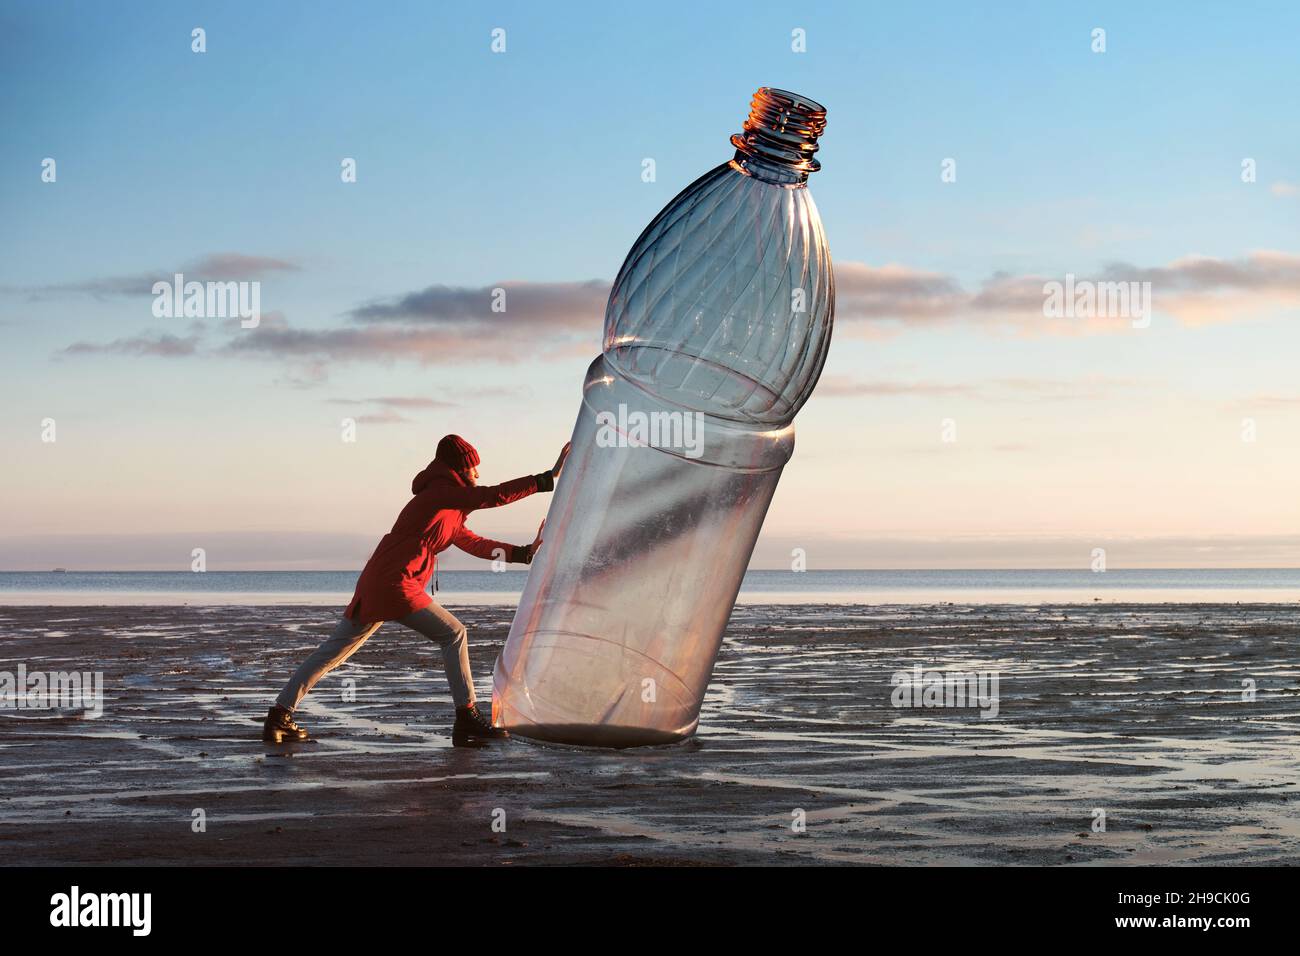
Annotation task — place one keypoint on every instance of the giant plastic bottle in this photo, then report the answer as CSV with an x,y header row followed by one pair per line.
x,y
715,334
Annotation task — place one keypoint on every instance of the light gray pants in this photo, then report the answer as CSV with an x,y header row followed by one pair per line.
x,y
435,622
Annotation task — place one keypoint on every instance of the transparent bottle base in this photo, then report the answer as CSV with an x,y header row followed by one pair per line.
x,y
626,602
565,667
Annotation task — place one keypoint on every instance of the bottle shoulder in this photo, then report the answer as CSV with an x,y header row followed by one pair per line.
x,y
726,301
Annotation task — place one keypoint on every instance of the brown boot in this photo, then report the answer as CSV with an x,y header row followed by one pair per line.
x,y
280,727
472,729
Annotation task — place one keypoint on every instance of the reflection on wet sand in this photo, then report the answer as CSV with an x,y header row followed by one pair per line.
x,y
1140,711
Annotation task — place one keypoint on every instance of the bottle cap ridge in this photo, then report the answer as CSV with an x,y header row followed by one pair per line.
x,y
783,128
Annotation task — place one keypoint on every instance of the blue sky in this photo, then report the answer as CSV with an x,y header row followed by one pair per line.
x,y
477,168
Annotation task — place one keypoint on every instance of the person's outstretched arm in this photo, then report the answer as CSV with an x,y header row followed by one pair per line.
x,y
490,550
494,496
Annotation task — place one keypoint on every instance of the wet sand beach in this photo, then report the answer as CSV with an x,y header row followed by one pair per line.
x,y
1140,711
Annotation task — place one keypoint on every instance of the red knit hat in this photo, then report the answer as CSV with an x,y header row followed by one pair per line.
x,y
457,454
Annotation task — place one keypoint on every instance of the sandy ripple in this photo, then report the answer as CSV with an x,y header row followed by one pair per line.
x,y
1136,710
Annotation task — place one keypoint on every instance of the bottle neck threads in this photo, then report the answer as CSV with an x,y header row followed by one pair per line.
x,y
780,136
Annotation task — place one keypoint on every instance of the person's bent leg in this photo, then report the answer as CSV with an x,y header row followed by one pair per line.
x,y
443,628
347,637
472,729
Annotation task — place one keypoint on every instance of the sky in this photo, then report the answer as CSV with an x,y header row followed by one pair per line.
x,y
972,154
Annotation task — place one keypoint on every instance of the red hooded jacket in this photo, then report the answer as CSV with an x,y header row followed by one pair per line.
x,y
395,581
